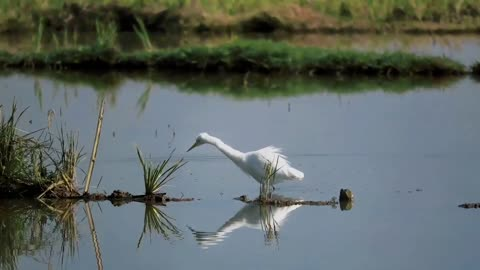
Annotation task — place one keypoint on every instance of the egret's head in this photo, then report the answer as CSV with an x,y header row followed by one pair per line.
x,y
202,138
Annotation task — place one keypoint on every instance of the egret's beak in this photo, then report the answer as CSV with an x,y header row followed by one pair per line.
x,y
193,146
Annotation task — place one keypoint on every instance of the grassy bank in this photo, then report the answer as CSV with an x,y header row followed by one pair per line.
x,y
240,57
247,15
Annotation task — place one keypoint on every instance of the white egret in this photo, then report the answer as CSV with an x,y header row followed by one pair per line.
x,y
254,163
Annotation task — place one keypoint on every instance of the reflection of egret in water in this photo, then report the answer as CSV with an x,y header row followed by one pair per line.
x,y
37,230
157,221
267,218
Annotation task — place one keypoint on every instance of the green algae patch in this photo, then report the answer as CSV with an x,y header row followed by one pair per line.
x,y
244,56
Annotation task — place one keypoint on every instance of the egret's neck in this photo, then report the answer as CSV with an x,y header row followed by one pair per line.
x,y
230,152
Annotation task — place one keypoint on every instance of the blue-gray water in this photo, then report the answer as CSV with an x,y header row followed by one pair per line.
x,y
409,151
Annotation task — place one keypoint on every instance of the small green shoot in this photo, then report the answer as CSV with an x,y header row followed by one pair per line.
x,y
142,34
155,176
38,37
107,34
266,187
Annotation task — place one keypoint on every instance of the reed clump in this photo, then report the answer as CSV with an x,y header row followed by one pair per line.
x,y
36,163
266,187
155,176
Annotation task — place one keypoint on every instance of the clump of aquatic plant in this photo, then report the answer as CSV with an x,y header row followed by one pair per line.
x,y
155,176
36,164
142,34
155,220
266,187
20,152
107,34
65,160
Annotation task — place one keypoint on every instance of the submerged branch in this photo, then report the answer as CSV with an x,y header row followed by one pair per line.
x,y
286,202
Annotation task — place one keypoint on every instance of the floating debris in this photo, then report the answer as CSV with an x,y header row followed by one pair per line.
x,y
285,202
470,205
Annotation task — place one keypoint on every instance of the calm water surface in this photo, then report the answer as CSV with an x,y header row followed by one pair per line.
x,y
409,150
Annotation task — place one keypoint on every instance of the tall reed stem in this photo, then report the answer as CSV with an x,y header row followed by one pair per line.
x,y
95,146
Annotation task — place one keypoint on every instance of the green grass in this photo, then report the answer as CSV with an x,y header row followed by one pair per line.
x,y
155,176
107,34
22,14
142,34
266,187
34,163
242,56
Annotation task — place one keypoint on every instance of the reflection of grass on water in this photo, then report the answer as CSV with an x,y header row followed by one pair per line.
x,y
269,224
157,221
31,229
233,85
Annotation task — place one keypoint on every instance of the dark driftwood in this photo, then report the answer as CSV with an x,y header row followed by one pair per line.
x,y
118,197
286,202
470,205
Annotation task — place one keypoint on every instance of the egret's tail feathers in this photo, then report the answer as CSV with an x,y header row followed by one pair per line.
x,y
295,174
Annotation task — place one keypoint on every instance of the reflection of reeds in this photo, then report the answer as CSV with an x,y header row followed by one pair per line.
x,y
157,221
96,245
155,176
268,223
27,228
67,229
143,99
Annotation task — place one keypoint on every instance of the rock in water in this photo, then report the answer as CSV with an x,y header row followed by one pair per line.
x,y
346,195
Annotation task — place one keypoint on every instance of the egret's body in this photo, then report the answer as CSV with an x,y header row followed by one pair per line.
x,y
254,163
